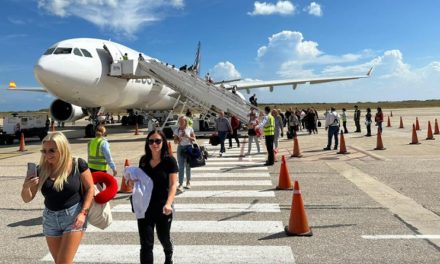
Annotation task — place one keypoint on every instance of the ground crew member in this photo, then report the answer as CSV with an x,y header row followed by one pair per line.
x,y
99,156
332,126
357,119
344,120
268,126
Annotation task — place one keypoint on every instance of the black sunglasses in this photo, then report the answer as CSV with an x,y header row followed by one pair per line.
x,y
51,151
152,141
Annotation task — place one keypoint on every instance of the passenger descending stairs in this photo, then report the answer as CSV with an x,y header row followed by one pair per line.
x,y
209,97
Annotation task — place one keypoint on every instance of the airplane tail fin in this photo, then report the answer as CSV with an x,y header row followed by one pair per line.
x,y
196,66
12,85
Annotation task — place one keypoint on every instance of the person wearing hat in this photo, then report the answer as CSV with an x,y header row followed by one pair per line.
x,y
357,119
332,121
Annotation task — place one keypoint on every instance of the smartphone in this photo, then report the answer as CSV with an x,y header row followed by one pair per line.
x,y
31,170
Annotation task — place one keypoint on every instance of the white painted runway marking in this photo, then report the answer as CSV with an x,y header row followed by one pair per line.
x,y
238,169
246,174
266,227
232,163
199,254
377,237
225,193
231,183
213,208
244,159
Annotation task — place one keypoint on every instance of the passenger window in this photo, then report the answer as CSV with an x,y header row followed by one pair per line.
x,y
77,52
63,51
86,53
49,51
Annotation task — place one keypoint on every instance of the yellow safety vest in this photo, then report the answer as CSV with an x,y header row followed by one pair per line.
x,y
269,128
96,158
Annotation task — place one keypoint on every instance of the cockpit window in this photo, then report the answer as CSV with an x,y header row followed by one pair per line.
x,y
86,53
63,51
77,52
49,51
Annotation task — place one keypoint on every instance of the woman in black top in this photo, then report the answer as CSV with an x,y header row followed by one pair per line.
x,y
162,169
59,178
368,122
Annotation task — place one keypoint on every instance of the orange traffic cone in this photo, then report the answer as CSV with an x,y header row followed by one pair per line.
x,y
298,224
136,131
379,145
170,148
389,122
342,148
391,113
414,140
284,182
124,187
401,123
296,151
21,148
417,124
436,130
429,134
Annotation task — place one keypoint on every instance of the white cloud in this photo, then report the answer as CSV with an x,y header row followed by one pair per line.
x,y
314,9
121,16
224,71
281,8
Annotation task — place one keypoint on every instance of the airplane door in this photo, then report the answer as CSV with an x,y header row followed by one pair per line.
x,y
114,52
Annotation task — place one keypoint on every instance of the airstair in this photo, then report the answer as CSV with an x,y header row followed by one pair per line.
x,y
209,97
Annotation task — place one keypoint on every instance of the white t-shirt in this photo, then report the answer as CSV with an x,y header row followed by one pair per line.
x,y
184,134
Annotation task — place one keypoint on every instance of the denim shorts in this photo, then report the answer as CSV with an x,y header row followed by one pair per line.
x,y
56,223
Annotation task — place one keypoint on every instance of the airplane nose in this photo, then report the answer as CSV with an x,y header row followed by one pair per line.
x,y
45,72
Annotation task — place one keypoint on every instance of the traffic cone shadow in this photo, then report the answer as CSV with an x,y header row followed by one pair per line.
x,y
379,144
414,140
401,123
284,182
342,148
389,122
436,130
22,147
296,151
429,133
417,124
298,224
124,187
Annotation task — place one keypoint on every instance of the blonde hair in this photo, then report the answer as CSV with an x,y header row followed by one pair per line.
x,y
100,131
62,169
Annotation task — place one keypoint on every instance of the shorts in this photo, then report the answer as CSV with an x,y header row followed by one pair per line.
x,y
57,223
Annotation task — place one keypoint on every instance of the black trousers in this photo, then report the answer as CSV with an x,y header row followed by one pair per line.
x,y
234,135
155,218
269,147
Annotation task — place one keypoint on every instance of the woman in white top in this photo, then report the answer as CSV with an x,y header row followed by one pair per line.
x,y
253,122
184,136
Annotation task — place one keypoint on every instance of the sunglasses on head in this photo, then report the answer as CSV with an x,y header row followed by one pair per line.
x,y
154,141
48,151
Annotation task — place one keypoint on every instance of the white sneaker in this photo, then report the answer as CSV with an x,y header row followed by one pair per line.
x,y
188,186
180,188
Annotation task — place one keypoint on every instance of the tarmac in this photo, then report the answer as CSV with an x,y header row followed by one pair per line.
x,y
367,206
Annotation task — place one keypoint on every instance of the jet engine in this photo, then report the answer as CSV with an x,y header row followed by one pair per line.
x,y
65,112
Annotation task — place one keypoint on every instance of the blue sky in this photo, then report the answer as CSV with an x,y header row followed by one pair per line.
x,y
258,40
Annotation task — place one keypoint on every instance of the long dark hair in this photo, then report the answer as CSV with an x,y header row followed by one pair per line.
x,y
164,150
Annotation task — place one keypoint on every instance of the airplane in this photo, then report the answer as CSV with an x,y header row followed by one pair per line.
x,y
76,71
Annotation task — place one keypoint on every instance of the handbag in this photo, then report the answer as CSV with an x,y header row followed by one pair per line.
x,y
214,140
196,157
100,214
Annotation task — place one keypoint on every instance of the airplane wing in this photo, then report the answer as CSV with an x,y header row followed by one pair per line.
x,y
293,82
13,87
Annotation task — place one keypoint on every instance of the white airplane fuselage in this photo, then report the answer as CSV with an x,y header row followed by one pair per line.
x,y
70,75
